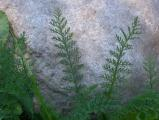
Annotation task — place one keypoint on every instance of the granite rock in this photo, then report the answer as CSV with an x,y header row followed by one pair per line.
x,y
94,23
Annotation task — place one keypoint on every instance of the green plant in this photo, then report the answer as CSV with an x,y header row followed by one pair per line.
x,y
142,107
46,112
68,52
15,92
69,57
150,67
86,104
116,67
18,85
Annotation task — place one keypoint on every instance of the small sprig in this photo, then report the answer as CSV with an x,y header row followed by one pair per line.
x,y
116,68
150,68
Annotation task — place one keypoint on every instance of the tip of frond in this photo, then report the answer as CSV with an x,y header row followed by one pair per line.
x,y
58,11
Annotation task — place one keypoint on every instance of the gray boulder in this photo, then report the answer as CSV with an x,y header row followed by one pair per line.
x,y
94,23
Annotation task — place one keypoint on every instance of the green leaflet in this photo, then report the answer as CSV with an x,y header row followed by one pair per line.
x,y
4,27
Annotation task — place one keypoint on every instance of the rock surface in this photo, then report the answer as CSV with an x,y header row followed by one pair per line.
x,y
94,23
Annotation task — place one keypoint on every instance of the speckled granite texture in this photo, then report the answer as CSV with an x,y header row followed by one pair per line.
x,y
94,23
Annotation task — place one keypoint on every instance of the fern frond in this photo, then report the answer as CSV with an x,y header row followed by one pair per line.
x,y
68,52
116,66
